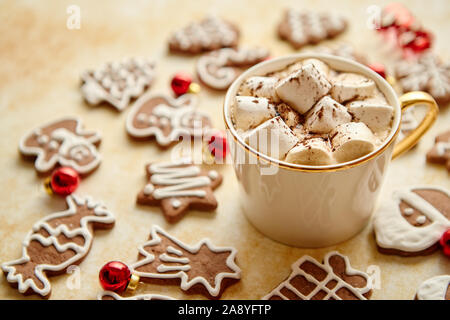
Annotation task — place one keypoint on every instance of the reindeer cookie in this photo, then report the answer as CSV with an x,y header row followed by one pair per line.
x,y
218,69
335,279
178,187
62,142
436,288
440,153
209,34
55,243
301,28
412,221
203,268
118,83
109,295
167,119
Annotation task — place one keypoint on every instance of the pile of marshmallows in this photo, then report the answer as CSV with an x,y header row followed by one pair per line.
x,y
310,114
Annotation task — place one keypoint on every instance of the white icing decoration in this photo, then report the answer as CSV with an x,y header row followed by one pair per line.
x,y
442,148
102,215
321,285
70,147
178,181
166,258
176,203
164,268
177,113
185,282
213,174
434,288
148,189
408,211
173,250
141,117
115,296
421,219
394,232
104,84
43,139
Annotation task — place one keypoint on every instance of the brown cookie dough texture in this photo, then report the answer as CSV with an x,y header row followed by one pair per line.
x,y
200,269
335,279
179,186
440,153
209,34
302,27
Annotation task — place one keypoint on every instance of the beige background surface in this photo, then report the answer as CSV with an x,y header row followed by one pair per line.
x,y
40,64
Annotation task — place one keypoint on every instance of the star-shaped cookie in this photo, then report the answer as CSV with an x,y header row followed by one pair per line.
x,y
440,153
178,187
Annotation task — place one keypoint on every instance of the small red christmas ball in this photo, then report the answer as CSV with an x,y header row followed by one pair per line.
x,y
217,145
115,276
422,41
378,68
445,242
64,181
180,83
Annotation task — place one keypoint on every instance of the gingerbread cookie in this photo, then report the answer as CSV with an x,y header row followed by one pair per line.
x,y
203,268
209,34
109,295
344,50
167,119
440,153
428,74
436,288
301,28
218,69
63,142
118,83
178,187
412,221
335,279
56,242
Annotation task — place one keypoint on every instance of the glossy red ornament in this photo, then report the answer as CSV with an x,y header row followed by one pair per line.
x,y
64,181
378,68
420,41
180,83
115,276
445,242
217,145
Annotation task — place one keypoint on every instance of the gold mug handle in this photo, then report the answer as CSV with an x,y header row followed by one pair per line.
x,y
411,99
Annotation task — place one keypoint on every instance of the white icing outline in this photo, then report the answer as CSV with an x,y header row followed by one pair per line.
x,y
43,165
102,216
180,111
185,283
94,93
394,232
115,296
434,288
321,285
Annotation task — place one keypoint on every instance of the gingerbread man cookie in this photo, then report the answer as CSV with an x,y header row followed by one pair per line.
x,y
203,268
335,279
57,242
63,142
118,83
218,69
179,186
301,28
167,119
440,153
412,221
428,74
209,34
436,288
109,295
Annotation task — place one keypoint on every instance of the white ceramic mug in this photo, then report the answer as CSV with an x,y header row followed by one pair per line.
x,y
316,206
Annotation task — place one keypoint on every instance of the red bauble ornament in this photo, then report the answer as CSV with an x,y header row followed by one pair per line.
x,y
445,242
378,68
180,83
420,42
217,145
63,181
115,276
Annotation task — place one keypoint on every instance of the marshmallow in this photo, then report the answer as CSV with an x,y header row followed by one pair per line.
x,y
249,112
273,138
260,87
326,115
347,86
351,141
289,116
303,88
377,117
314,151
